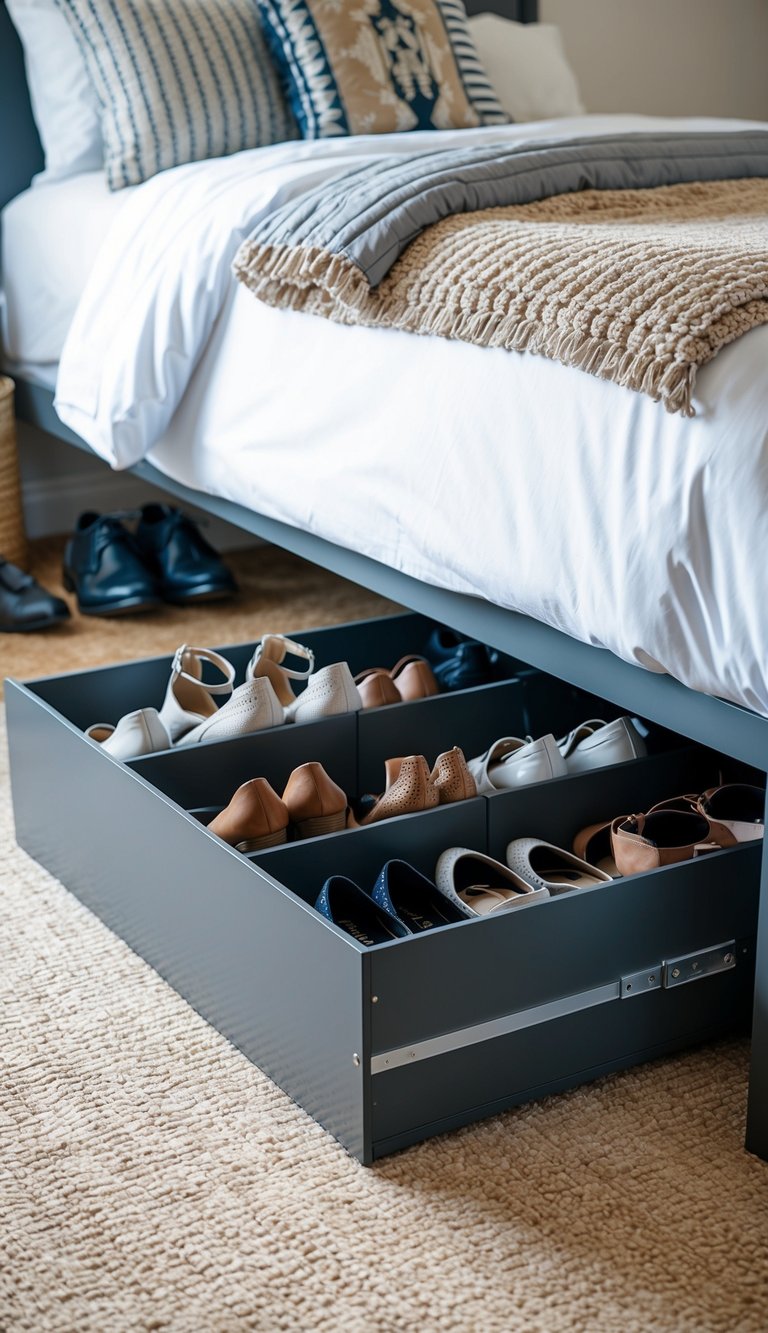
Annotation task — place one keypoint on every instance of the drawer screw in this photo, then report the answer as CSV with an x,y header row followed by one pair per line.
x,y
675,971
356,1060
694,967
374,999
728,958
652,978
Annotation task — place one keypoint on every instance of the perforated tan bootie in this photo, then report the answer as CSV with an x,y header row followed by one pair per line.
x,y
452,777
410,789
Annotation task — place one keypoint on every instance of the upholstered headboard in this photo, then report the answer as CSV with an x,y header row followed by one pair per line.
x,y
21,155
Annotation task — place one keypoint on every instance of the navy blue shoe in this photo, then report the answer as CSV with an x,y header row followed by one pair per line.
x,y
184,565
460,663
104,568
24,605
347,905
413,899
443,643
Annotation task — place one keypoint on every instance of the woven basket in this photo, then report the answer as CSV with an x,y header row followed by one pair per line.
x,y
13,540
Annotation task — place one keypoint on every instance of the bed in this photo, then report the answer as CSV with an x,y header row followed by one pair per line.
x,y
522,500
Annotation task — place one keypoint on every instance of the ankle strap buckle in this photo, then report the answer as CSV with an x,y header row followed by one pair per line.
x,y
276,647
205,655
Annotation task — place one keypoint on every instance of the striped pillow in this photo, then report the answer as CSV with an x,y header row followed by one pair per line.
x,y
178,81
378,66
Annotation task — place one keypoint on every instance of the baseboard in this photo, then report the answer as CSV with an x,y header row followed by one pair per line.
x,y
53,503
53,506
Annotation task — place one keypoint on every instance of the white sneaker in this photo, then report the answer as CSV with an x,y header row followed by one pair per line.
x,y
328,692
512,762
596,743
135,735
253,707
188,699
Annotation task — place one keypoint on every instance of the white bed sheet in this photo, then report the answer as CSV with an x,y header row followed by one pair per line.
x,y
507,476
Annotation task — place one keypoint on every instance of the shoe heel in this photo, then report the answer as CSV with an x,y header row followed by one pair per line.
x,y
315,828
261,844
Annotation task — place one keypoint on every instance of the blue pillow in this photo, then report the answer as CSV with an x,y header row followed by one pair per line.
x,y
378,66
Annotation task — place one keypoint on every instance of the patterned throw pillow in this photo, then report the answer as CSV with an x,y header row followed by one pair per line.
x,y
178,81
376,66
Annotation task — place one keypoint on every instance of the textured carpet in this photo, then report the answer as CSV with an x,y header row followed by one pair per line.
x,y
278,593
152,1179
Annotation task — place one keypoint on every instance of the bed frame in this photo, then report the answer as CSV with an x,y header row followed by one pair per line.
x,y
726,727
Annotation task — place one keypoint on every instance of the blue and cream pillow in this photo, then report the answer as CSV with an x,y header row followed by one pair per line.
x,y
377,66
178,81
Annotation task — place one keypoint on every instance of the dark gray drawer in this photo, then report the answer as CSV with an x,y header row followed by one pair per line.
x,y
388,1045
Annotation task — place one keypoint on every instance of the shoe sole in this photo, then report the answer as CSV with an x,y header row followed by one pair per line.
x,y
321,824
259,844
124,608
49,623
207,595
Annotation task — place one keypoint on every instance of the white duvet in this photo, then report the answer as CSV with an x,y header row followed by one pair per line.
x,y
500,474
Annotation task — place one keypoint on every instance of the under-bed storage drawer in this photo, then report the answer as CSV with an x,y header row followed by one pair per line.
x,y
478,1016
387,1045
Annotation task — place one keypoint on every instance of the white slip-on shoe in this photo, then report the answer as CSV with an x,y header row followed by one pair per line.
x,y
135,735
511,762
253,707
189,700
478,885
596,744
327,693
548,867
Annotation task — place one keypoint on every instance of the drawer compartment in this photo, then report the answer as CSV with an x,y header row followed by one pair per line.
x,y
385,1046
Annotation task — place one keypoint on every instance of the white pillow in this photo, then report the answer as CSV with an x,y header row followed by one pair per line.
x,y
178,81
527,65
64,101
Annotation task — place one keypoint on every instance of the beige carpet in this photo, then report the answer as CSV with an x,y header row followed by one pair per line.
x,y
152,1179
279,593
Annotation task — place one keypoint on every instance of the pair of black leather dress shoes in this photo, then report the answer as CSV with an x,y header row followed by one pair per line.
x,y
115,571
24,605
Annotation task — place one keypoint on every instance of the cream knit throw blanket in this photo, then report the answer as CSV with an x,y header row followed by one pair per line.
x,y
641,287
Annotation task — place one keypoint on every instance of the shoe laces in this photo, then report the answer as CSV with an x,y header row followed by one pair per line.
x,y
178,521
108,530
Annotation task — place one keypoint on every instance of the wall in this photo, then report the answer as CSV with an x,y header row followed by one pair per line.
x,y
60,481
668,57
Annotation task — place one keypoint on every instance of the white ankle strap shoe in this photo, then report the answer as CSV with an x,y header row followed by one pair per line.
x,y
327,693
252,707
189,700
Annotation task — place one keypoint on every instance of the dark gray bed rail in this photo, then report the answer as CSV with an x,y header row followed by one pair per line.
x,y
727,728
